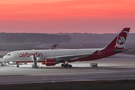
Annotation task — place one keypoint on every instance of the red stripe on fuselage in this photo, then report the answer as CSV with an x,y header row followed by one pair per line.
x,y
101,54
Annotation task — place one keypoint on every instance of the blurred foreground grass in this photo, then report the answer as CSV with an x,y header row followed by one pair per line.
x,y
80,85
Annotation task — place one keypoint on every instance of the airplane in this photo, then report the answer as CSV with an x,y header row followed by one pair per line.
x,y
64,56
54,46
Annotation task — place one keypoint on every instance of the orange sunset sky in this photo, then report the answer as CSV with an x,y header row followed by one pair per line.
x,y
54,16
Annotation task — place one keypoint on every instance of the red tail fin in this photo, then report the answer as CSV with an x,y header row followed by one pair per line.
x,y
119,41
54,46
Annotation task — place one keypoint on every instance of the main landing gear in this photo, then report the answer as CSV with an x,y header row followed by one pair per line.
x,y
18,64
66,65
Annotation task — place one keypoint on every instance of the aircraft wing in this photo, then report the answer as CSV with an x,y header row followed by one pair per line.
x,y
72,57
69,57
122,50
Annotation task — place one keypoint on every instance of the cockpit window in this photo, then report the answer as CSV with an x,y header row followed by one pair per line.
x,y
8,54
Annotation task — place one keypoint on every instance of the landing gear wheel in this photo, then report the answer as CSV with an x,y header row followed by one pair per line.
x,y
70,66
17,64
66,65
2,64
62,65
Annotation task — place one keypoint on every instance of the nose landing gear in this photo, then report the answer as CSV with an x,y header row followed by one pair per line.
x,y
17,65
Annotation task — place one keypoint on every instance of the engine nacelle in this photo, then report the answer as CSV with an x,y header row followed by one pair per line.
x,y
50,62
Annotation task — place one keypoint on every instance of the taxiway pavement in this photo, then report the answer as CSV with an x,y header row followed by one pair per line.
x,y
117,67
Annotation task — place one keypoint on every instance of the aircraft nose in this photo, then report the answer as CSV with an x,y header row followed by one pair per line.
x,y
5,58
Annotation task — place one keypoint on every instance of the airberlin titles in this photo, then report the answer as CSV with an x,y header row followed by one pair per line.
x,y
26,54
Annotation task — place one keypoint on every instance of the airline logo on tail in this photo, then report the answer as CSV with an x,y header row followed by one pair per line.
x,y
121,38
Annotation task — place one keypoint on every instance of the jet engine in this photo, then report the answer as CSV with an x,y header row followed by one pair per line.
x,y
50,62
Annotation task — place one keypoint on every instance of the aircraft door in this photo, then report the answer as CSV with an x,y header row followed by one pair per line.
x,y
15,55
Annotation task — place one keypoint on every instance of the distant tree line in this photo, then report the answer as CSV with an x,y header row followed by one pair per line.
x,y
33,37
58,37
88,37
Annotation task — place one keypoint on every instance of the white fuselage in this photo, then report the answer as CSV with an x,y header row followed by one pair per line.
x,y
26,55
